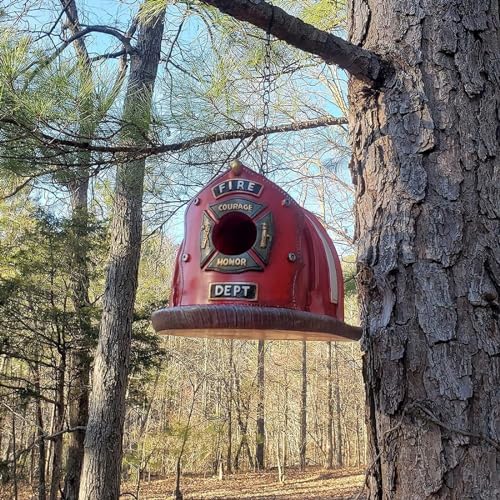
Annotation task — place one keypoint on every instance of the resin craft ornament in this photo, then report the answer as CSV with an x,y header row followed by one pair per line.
x,y
254,265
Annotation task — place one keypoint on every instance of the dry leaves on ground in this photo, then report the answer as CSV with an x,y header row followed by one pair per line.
x,y
314,483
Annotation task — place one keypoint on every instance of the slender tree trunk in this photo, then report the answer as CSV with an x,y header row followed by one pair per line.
x,y
246,447
177,495
243,425
285,427
57,450
242,420
303,410
425,161
103,440
259,449
358,440
79,355
229,403
330,446
14,452
42,492
279,464
340,437
78,398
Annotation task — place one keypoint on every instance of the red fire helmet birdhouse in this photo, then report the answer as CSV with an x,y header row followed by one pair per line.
x,y
254,265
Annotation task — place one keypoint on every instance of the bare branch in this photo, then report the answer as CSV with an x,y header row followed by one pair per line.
x,y
43,437
92,29
109,55
110,31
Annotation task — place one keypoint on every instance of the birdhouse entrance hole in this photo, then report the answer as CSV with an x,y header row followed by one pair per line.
x,y
234,234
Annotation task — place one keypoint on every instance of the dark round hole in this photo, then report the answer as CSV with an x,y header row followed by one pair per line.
x,y
234,234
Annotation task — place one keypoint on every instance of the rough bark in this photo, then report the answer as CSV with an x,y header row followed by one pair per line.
x,y
425,161
103,440
259,448
79,356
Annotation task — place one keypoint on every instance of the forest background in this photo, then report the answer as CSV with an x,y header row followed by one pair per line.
x,y
200,406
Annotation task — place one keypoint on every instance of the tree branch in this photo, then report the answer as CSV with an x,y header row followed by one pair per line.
x,y
253,132
110,31
93,29
359,62
43,437
69,7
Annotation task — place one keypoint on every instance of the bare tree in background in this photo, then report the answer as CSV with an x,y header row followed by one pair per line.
x,y
260,446
303,409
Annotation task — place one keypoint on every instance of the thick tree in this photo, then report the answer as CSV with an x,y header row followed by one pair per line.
x,y
424,124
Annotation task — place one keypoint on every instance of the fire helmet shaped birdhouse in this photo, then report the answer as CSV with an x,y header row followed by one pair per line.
x,y
254,265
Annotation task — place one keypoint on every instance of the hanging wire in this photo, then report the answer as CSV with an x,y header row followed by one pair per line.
x,y
266,98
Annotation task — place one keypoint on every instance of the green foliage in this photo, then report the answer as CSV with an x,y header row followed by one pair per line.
x,y
155,274
45,95
327,15
349,271
35,278
351,311
147,352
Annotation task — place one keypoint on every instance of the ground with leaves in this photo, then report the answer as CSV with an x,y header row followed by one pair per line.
x,y
314,483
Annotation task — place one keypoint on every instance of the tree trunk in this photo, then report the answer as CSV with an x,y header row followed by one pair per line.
x,y
14,453
79,355
285,426
340,438
41,487
330,447
103,440
79,362
358,440
425,161
242,420
303,409
229,404
259,449
59,407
